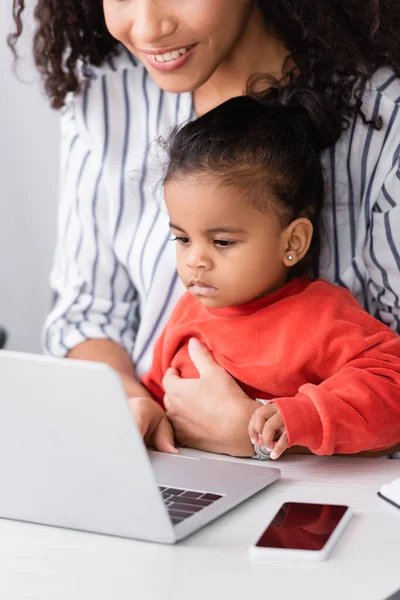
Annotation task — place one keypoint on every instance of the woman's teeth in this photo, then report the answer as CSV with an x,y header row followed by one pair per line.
x,y
170,55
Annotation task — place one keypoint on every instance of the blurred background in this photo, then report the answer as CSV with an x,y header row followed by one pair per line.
x,y
28,193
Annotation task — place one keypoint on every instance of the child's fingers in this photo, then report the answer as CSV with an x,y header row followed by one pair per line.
x,y
271,426
257,422
280,446
253,433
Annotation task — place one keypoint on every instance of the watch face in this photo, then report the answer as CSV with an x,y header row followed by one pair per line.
x,y
262,452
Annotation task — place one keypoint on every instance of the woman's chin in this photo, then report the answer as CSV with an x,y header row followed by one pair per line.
x,y
179,81
174,84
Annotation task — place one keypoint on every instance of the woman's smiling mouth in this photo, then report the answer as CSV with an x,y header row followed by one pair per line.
x,y
168,59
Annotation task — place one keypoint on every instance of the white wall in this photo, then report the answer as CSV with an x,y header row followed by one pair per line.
x,y
28,197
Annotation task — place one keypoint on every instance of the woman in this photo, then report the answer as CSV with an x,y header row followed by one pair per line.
x,y
125,75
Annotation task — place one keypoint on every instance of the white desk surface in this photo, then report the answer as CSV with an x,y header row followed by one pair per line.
x,y
44,563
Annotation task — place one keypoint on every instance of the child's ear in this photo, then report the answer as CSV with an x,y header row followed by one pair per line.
x,y
298,236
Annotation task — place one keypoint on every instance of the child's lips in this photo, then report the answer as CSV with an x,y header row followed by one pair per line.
x,y
200,288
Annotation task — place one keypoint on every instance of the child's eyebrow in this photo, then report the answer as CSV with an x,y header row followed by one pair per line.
x,y
173,226
226,230
212,230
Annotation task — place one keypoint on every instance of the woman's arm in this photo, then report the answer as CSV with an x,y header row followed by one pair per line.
x,y
116,356
150,418
382,247
92,317
94,297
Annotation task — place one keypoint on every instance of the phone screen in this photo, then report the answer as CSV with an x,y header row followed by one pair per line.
x,y
300,526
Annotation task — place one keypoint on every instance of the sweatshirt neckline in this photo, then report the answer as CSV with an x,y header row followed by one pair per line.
x,y
289,289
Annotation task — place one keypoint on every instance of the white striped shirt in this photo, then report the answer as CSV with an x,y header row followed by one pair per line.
x,y
114,269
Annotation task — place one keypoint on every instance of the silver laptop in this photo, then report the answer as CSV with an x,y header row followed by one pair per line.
x,y
71,456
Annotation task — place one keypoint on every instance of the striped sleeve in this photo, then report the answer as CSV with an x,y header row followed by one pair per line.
x,y
94,297
382,251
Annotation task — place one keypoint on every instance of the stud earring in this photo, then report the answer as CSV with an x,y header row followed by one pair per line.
x,y
290,257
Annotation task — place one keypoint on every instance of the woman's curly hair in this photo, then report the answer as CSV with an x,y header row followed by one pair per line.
x,y
336,45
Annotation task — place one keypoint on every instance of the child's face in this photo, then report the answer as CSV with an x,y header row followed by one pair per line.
x,y
228,253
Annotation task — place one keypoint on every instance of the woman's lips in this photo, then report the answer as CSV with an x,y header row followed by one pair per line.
x,y
199,288
170,65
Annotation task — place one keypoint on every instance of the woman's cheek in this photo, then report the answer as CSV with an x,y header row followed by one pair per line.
x,y
117,21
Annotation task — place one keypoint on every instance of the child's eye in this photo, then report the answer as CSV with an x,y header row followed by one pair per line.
x,y
225,243
181,240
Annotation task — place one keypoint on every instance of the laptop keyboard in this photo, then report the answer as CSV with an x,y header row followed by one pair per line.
x,y
182,504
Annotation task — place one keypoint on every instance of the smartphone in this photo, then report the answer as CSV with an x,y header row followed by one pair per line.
x,y
301,531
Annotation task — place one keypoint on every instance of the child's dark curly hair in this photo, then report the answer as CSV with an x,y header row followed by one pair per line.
x,y
269,146
336,44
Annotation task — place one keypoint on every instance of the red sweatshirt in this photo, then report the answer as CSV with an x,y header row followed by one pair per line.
x,y
331,368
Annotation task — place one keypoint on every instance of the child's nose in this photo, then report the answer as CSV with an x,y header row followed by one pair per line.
x,y
198,260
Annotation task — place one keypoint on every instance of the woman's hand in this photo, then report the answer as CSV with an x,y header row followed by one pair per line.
x,y
211,413
153,424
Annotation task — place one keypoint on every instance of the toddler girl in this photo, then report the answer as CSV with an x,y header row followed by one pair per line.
x,y
244,190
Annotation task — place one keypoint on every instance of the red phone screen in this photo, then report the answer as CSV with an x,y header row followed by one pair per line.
x,y
299,526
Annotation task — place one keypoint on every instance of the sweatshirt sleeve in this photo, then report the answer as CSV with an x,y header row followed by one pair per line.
x,y
356,406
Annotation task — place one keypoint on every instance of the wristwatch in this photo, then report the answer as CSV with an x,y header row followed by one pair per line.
x,y
261,452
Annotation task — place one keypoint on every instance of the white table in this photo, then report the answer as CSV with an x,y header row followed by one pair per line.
x,y
46,563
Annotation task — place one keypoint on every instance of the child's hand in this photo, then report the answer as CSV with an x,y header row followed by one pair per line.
x,y
153,424
267,425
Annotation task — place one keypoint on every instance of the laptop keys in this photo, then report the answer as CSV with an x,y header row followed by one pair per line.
x,y
193,501
182,504
212,497
192,494
173,491
188,508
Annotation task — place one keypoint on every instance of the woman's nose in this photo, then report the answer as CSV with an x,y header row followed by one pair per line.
x,y
151,23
